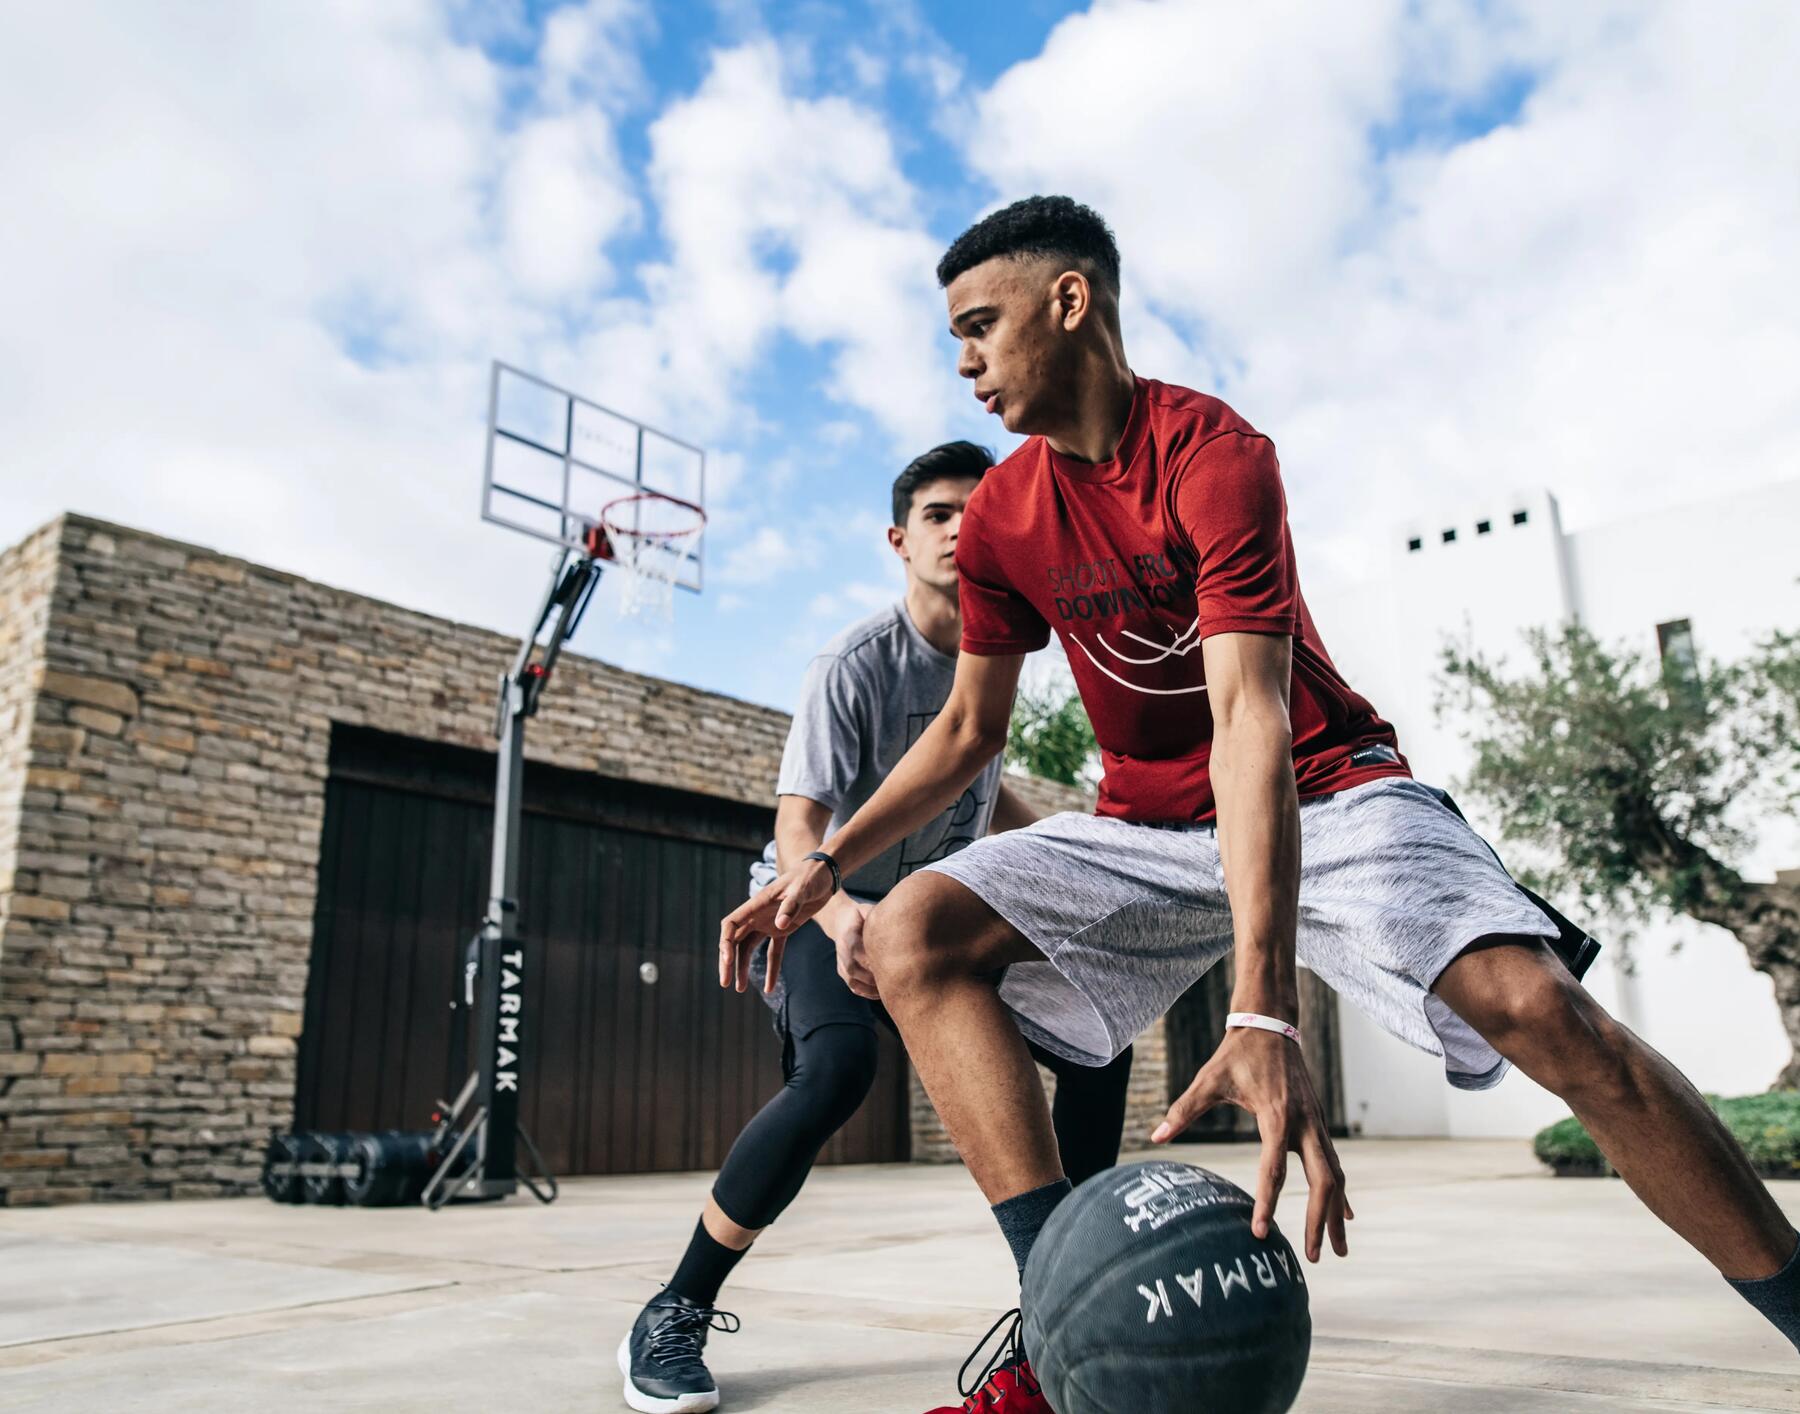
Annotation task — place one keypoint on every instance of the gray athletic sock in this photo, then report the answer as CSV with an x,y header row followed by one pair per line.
x,y
1021,1219
1777,1297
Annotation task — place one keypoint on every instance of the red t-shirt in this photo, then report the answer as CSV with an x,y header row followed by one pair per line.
x,y
1134,562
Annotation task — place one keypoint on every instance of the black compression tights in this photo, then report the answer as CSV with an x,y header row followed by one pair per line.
x,y
832,1071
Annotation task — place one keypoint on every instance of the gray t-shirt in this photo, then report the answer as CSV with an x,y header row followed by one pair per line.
x,y
867,698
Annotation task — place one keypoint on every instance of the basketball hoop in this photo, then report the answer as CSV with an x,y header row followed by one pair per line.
x,y
651,537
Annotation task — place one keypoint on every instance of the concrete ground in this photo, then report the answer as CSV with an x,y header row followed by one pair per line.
x,y
1475,1283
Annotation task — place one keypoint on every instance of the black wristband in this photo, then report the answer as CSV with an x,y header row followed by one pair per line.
x,y
837,874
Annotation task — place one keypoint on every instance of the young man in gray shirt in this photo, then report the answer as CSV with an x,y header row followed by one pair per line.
x,y
867,697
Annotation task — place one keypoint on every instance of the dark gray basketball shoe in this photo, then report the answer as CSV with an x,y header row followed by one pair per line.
x,y
661,1356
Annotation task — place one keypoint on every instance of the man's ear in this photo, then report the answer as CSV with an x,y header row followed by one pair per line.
x,y
897,539
1074,298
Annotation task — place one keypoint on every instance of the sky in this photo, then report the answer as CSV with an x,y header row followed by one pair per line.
x,y
258,259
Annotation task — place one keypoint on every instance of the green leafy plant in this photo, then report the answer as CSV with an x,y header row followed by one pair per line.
x,y
1636,789
1050,736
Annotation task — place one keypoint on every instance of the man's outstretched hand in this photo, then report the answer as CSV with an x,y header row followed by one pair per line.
x,y
774,911
1266,1074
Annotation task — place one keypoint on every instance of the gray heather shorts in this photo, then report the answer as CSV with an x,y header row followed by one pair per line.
x,y
1393,886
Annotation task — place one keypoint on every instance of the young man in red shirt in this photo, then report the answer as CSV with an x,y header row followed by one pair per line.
x,y
1146,525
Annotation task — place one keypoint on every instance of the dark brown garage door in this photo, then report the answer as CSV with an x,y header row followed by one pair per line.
x,y
619,883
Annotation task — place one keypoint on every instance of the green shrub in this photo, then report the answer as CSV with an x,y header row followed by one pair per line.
x,y
1767,1125
1568,1149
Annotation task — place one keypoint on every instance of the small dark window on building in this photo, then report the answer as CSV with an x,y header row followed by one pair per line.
x,y
1680,661
1482,527
1675,643
1449,536
1520,517
1415,544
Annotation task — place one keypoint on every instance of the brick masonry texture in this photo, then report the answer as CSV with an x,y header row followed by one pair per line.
x,y
165,719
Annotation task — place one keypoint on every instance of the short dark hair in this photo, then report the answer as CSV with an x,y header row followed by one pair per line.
x,y
1038,225
954,461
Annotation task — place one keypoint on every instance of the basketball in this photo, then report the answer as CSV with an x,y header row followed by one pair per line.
x,y
1148,1292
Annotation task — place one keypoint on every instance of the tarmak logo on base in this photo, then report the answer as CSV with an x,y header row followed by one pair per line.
x,y
506,1053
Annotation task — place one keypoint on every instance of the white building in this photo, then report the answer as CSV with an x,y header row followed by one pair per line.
x,y
1728,571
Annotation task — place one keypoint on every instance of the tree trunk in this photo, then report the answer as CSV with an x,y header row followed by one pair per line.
x,y
1787,998
1765,918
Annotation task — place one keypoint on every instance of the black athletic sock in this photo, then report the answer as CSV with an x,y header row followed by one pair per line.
x,y
1021,1219
1777,1297
704,1267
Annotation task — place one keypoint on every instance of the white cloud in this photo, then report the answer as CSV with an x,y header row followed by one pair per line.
x,y
847,601
269,251
1224,142
261,258
789,215
588,54
564,195
766,555
1599,296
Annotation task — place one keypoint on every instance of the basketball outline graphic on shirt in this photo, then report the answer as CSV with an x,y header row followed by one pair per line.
x,y
1140,583
1185,643
959,816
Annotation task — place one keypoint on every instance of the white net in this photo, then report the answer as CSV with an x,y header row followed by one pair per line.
x,y
653,538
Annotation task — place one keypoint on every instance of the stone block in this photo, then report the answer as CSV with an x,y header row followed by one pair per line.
x,y
64,886
271,1046
95,720
107,694
168,739
54,861
43,1197
223,571
88,803
94,1085
35,1159
100,1156
70,1063
56,740
100,1119
47,910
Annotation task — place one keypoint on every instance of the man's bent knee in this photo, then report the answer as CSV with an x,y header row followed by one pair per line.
x,y
1526,1005
931,927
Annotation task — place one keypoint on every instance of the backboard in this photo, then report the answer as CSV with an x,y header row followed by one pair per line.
x,y
555,459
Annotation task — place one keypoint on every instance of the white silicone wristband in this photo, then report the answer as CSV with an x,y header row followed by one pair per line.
x,y
1252,1021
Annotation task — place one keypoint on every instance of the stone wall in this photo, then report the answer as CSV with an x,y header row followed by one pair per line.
x,y
26,573
165,722
160,918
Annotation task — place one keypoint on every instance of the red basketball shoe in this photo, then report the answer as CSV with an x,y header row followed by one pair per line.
x,y
1006,1384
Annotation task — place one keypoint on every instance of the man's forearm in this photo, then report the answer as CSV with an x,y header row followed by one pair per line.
x,y
1252,772
797,838
800,826
936,769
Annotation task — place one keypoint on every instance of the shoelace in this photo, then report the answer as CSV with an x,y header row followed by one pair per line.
x,y
676,1341
1009,1354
